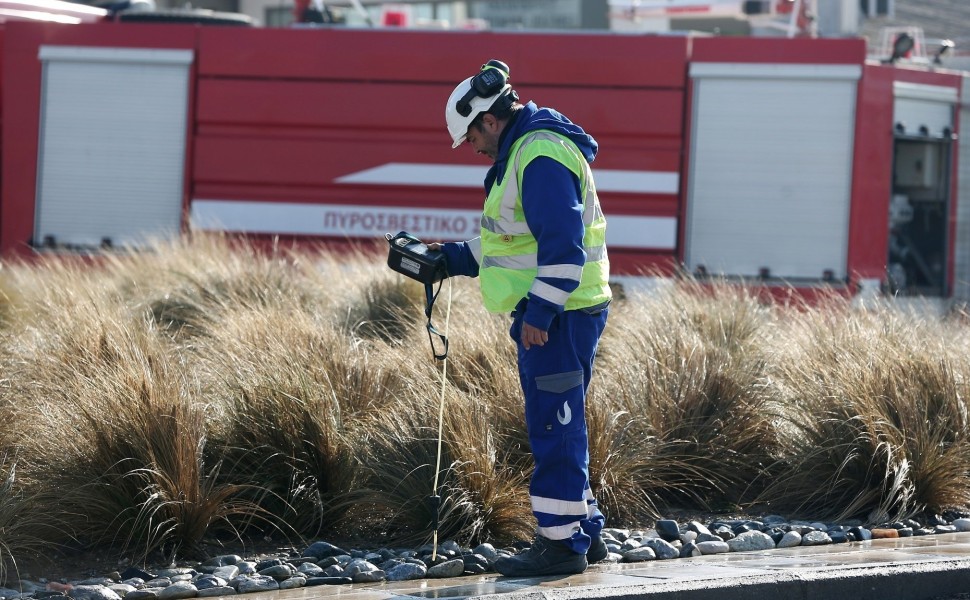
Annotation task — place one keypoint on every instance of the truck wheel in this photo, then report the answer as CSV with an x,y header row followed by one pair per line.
x,y
199,15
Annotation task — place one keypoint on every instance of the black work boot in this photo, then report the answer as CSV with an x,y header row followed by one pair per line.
x,y
597,550
545,557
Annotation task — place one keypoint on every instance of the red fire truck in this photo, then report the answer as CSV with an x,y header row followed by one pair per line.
x,y
781,160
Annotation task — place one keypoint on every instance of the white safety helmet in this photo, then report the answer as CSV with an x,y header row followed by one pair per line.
x,y
476,95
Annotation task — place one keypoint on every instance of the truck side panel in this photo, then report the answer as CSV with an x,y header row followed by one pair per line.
x,y
281,120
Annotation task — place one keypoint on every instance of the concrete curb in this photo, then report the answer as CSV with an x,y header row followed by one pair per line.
x,y
916,581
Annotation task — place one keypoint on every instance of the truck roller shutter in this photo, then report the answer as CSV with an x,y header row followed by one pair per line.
x,y
112,145
770,169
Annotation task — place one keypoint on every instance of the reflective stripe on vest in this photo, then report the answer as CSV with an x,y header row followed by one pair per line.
x,y
508,267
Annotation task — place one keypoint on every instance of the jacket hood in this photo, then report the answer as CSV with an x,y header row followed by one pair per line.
x,y
532,118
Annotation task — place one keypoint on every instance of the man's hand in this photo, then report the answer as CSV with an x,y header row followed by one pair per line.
x,y
434,246
533,336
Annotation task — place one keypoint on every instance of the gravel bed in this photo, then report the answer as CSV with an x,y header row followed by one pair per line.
x,y
326,563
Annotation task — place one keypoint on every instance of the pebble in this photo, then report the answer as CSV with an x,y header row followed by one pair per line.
x,y
293,583
122,589
712,547
486,550
310,570
839,537
93,592
641,554
258,583
206,582
816,538
619,535
278,572
961,524
474,564
698,528
322,549
884,533
707,537
689,549
178,591
663,549
750,541
668,530
407,572
790,540
629,544
334,571
369,576
451,568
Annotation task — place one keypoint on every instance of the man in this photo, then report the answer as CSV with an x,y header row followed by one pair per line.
x,y
541,257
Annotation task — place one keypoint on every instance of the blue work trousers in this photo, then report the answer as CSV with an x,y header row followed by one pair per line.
x,y
555,378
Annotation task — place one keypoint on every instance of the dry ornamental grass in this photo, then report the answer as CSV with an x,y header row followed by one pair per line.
x,y
207,391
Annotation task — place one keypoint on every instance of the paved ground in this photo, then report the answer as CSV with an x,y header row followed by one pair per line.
x,y
918,568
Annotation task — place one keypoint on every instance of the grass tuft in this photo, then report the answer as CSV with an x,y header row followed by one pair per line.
x,y
28,530
875,417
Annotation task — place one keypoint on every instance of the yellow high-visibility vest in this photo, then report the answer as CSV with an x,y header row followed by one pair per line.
x,y
509,261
